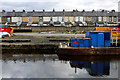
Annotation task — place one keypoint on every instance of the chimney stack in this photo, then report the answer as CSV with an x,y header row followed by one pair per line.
x,y
113,11
83,10
13,10
33,10
3,11
103,10
23,10
93,10
63,10
53,10
43,10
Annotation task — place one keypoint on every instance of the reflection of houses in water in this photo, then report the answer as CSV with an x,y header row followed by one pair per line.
x,y
93,68
29,57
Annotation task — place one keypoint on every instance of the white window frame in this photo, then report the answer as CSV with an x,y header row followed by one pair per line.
x,y
100,19
104,19
89,18
8,19
84,19
110,18
115,19
30,18
68,19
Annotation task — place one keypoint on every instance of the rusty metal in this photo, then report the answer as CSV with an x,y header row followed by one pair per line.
x,y
90,51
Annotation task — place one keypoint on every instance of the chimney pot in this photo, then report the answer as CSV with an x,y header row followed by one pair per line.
x,y
23,10
43,10
33,10
13,10
53,10
63,10
3,11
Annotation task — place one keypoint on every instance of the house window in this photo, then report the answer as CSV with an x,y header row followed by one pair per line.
x,y
62,19
115,19
19,19
40,19
84,19
105,19
119,19
73,19
89,18
8,19
30,18
110,19
51,19
57,18
78,18
94,19
100,19
68,19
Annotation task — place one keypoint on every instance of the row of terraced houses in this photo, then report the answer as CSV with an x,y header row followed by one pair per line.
x,y
60,18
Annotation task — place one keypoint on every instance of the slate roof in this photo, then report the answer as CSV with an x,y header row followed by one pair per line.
x,y
58,13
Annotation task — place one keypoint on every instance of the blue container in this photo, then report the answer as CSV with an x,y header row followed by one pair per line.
x,y
97,39
86,64
107,43
100,68
94,40
100,39
107,38
81,43
107,64
87,42
74,42
94,68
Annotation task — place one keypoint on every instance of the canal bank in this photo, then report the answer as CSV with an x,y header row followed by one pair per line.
x,y
48,48
50,43
29,48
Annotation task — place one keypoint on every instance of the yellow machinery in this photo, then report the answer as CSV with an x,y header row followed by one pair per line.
x,y
115,32
102,28
11,32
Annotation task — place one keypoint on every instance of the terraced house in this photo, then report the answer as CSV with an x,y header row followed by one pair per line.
x,y
60,18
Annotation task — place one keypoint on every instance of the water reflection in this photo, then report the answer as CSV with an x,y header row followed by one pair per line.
x,y
54,66
93,68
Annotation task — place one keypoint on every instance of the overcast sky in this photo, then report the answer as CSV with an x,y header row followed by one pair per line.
x,y
58,5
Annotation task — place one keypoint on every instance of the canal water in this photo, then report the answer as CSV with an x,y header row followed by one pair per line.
x,y
54,66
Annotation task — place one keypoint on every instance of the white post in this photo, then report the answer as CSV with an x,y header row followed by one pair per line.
x,y
60,45
68,44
